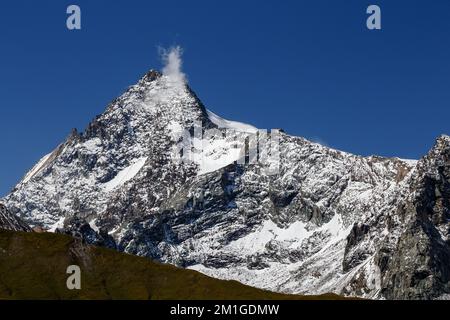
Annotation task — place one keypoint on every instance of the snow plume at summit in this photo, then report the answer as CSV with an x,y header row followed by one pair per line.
x,y
173,63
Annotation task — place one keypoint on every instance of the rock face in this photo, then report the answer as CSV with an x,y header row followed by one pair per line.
x,y
10,222
79,228
419,264
325,221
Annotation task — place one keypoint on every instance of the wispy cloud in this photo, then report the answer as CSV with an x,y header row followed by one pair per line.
x,y
173,64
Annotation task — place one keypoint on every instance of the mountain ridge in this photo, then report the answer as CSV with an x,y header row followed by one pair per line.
x,y
324,223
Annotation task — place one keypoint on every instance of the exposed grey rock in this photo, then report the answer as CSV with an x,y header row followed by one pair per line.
x,y
328,221
80,229
419,265
11,222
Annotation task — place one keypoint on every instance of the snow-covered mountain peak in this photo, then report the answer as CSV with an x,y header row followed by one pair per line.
x,y
326,220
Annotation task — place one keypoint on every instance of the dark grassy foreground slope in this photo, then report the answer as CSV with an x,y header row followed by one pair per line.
x,y
33,266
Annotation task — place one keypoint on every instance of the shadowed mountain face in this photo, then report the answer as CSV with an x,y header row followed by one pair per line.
x,y
11,222
326,221
105,274
417,265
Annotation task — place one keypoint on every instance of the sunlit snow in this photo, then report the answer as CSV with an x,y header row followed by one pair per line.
x,y
36,168
228,124
125,175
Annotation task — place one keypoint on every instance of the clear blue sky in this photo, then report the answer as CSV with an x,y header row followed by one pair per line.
x,y
310,67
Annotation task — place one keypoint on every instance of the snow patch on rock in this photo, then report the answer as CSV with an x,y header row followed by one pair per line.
x,y
125,175
36,168
228,124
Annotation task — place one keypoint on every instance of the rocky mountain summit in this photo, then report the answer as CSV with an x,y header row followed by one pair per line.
x,y
324,221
